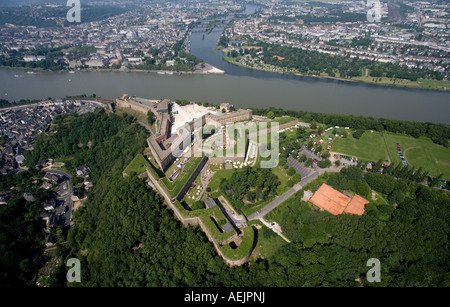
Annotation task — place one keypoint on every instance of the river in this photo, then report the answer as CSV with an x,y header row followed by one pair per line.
x,y
239,86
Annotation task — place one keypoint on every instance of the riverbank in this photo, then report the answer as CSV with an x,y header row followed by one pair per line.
x,y
201,68
422,84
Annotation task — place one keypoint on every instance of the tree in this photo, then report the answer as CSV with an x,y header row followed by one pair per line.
x,y
270,115
324,163
302,158
197,205
234,54
396,197
363,189
291,171
150,117
357,134
296,178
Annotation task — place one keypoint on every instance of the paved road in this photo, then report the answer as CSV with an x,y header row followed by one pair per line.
x,y
280,199
275,203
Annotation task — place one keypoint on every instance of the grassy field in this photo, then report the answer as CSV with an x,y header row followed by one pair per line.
x,y
137,165
434,84
244,248
420,152
217,178
284,178
284,119
174,187
269,242
370,147
422,83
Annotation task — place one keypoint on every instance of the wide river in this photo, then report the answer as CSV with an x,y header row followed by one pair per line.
x,y
239,86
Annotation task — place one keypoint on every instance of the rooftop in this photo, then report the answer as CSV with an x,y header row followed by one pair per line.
x,y
333,201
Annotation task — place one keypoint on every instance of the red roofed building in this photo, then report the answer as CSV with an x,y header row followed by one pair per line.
x,y
333,201
356,205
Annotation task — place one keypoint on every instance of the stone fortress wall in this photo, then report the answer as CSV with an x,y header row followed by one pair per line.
x,y
164,147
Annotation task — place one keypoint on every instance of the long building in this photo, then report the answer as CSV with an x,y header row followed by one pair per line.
x,y
231,117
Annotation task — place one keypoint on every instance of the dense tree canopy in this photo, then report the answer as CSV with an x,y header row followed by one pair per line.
x,y
249,184
124,235
314,62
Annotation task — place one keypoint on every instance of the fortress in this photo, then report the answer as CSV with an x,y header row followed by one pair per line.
x,y
164,146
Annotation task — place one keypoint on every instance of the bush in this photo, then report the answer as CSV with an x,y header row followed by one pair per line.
x,y
303,158
324,163
197,205
326,154
357,134
291,171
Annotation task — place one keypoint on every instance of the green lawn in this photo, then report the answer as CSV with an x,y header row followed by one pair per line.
x,y
284,178
434,84
284,120
193,191
420,152
174,187
370,147
137,165
269,242
217,178
244,248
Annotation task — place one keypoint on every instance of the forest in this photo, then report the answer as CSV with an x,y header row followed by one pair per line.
x,y
124,235
112,138
249,185
406,228
92,139
21,228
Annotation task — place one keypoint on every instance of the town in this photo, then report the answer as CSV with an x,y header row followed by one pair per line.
x,y
21,125
152,36
147,35
419,39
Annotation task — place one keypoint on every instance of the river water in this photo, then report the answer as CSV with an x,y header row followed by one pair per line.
x,y
239,86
